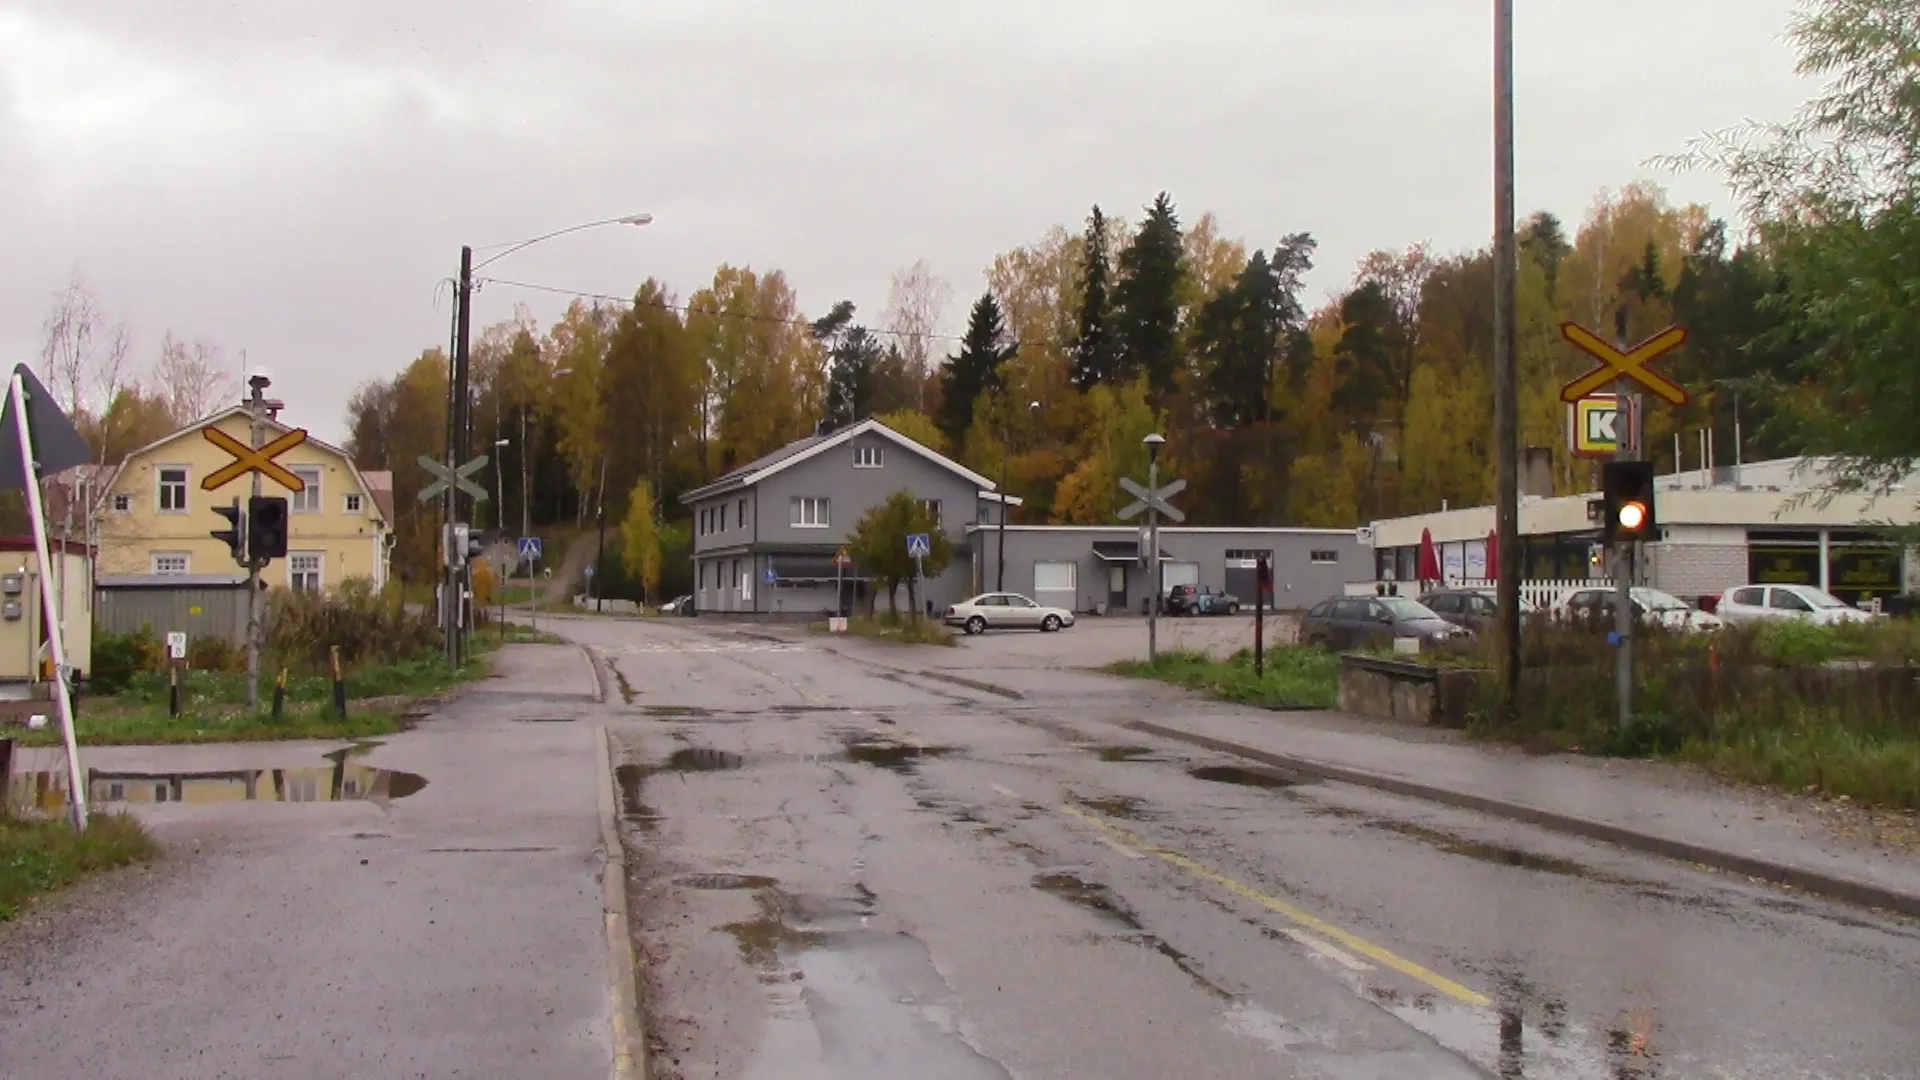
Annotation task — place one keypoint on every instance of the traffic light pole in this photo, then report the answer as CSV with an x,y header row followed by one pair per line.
x,y
256,437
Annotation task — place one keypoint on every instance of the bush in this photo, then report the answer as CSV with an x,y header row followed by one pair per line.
x,y
215,654
365,624
117,658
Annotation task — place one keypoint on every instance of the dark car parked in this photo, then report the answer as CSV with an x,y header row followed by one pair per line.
x,y
1201,600
1471,608
1352,622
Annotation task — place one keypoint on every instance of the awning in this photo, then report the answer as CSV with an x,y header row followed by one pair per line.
x,y
1121,551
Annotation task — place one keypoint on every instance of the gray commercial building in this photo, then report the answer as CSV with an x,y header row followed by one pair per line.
x,y
765,534
1098,569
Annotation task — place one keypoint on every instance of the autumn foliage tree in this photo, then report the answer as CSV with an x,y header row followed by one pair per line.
x,y
878,544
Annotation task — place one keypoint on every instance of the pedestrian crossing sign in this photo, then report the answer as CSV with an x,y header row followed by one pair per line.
x,y
918,546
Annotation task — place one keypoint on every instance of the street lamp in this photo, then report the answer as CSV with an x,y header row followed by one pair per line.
x,y
1006,452
1153,442
459,419
499,516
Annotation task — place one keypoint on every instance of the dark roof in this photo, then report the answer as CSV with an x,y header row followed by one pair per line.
x,y
1121,550
171,581
740,472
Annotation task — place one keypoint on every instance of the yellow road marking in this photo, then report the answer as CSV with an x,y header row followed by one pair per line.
x,y
1282,908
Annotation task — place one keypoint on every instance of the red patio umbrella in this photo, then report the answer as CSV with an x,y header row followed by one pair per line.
x,y
1493,555
1429,557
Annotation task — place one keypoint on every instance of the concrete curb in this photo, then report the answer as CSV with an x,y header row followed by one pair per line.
x,y
972,684
593,671
1832,886
623,973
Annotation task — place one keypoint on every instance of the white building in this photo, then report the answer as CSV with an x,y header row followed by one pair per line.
x,y
1770,521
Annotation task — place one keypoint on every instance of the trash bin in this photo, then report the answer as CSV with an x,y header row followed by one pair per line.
x,y
1100,608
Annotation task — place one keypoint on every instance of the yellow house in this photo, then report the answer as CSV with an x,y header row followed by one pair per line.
x,y
157,521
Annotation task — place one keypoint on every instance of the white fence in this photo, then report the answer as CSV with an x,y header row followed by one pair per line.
x,y
1541,593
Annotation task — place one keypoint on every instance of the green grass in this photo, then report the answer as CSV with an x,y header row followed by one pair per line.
x,y
896,628
37,857
1296,676
150,726
1819,760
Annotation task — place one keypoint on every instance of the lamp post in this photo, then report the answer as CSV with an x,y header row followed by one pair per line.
x,y
459,417
499,508
1153,444
1006,452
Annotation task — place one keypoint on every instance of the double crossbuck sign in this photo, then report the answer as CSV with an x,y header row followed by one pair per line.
x,y
454,478
246,459
1632,364
1157,499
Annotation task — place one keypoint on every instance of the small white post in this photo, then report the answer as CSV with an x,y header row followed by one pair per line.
x,y
30,474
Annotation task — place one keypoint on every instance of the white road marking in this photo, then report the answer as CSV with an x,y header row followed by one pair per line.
x,y
1118,846
1008,792
1332,952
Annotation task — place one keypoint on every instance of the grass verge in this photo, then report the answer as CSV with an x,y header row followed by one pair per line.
x,y
899,629
37,857
1296,676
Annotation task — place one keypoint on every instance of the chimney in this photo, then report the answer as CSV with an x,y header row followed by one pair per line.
x,y
1536,472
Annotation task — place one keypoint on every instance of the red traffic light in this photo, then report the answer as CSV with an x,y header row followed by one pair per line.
x,y
1633,515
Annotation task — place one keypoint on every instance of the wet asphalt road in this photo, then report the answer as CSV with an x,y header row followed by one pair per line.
x,y
853,871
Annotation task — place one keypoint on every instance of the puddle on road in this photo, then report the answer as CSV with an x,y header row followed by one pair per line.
x,y
1123,753
725,881
1119,806
897,757
1245,776
675,712
701,759
342,779
1497,854
1101,901
632,778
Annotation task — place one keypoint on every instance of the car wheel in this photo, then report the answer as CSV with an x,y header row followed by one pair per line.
x,y
976,625
1049,624
1233,609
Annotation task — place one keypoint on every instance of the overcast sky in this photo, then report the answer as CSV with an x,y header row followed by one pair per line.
x,y
292,178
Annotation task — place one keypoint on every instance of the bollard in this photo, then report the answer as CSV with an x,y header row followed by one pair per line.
x,y
173,690
339,683
280,695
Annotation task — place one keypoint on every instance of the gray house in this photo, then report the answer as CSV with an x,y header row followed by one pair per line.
x,y
1096,568
765,534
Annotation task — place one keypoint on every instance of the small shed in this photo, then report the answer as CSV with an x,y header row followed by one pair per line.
x,y
25,655
203,605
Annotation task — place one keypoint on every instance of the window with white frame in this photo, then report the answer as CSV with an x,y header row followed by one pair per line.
x,y
932,507
306,501
303,570
869,456
123,503
810,512
170,562
353,504
173,489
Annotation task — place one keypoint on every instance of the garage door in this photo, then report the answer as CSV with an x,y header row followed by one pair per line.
x,y
1180,573
1056,584
1243,573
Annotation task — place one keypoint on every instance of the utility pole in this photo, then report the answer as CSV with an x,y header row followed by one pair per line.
x,y
256,438
454,579
1506,382
600,559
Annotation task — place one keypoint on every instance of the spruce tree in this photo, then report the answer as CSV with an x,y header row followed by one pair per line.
x,y
975,369
1147,300
1093,347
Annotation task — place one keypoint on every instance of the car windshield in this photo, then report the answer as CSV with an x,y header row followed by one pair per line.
x,y
1403,608
1655,600
1820,598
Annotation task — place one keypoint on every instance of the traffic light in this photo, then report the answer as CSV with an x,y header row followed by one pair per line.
x,y
235,534
267,527
1626,494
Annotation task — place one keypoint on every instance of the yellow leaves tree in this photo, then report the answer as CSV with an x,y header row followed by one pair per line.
x,y
916,426
578,345
640,539
1120,417
765,372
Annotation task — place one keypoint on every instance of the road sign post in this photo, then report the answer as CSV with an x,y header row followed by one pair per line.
x,y
1153,499
448,479
1622,365
256,457
919,545
841,560
530,554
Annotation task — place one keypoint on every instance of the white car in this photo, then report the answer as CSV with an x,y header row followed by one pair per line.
x,y
1752,603
1651,605
1005,611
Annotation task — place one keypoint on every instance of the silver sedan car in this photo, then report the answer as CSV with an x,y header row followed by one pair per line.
x,y
1005,611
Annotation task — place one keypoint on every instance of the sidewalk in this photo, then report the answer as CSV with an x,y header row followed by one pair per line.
x,y
430,904
1744,831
